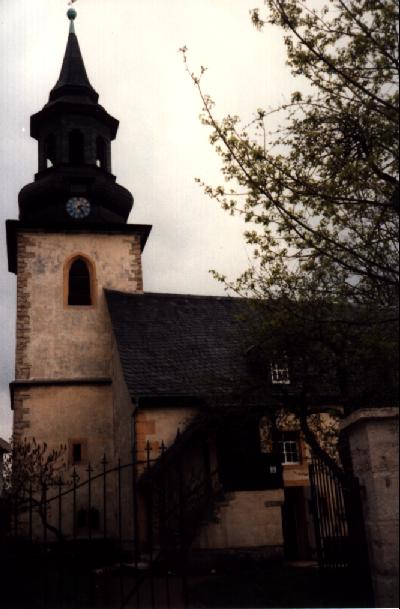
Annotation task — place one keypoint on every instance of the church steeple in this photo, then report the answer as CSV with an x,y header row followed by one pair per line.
x,y
74,133
73,79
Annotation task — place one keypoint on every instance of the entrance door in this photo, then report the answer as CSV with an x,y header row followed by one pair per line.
x,y
295,524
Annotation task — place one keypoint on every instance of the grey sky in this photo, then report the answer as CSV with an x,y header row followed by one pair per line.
x,y
130,48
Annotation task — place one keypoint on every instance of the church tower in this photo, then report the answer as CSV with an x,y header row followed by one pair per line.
x,y
70,243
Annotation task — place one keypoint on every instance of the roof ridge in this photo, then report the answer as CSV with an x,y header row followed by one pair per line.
x,y
175,295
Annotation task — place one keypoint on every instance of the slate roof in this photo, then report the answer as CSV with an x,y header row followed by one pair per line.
x,y
73,80
206,347
179,345
4,446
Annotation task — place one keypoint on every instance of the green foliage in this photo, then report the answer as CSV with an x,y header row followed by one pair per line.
x,y
320,194
319,190
335,354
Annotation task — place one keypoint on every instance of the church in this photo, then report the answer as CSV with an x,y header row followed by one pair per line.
x,y
115,373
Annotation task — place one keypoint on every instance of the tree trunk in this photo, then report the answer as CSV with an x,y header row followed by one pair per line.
x,y
315,446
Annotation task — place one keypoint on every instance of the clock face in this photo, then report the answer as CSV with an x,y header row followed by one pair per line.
x,y
78,207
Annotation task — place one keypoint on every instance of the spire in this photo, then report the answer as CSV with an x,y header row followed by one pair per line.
x,y
73,81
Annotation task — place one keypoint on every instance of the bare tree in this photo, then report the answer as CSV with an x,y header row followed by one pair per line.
x,y
31,471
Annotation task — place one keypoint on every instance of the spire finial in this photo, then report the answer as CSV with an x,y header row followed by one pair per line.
x,y
71,14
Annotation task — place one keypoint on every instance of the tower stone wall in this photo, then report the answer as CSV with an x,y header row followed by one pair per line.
x,y
57,341
64,368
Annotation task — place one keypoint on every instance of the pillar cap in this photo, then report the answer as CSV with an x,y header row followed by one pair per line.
x,y
367,414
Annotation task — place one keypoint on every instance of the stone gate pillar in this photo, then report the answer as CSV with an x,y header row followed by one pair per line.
x,y
373,441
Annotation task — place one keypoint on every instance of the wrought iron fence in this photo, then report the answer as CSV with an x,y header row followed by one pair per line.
x,y
111,535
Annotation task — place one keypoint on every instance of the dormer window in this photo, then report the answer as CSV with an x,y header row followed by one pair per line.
x,y
80,282
76,147
280,372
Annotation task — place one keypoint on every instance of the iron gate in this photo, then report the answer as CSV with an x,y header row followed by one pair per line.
x,y
339,525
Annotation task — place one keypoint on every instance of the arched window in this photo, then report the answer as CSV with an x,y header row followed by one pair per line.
x,y
101,153
50,150
79,283
76,145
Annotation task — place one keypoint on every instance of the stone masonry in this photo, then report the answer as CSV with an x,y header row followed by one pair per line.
x,y
62,344
374,446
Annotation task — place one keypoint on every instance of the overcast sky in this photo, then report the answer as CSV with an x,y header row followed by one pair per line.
x,y
130,49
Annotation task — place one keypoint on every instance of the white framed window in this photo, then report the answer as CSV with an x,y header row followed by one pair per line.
x,y
280,373
288,447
